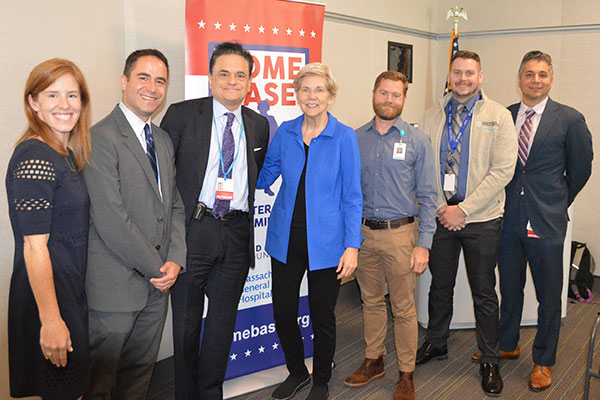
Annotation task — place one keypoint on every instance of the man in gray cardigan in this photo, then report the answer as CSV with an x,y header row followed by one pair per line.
x,y
475,149
137,233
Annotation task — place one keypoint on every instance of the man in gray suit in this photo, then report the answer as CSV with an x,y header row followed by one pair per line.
x,y
137,233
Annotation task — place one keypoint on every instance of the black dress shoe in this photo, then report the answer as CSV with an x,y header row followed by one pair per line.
x,y
426,352
318,392
288,388
491,381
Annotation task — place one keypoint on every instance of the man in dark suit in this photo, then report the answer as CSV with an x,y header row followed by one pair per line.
x,y
219,147
137,233
555,160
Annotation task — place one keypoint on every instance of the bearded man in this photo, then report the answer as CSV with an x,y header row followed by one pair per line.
x,y
398,182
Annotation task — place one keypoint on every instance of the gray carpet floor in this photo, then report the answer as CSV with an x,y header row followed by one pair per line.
x,y
455,378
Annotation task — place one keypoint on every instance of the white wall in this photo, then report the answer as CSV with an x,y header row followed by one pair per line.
x,y
97,35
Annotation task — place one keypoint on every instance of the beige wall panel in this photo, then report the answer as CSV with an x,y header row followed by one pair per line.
x,y
579,89
575,12
357,55
162,28
347,50
416,15
355,8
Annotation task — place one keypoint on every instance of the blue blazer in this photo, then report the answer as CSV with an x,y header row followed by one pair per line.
x,y
558,166
333,193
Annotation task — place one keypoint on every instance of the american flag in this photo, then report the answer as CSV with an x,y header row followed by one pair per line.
x,y
453,49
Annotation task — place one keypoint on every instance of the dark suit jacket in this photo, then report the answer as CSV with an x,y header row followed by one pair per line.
x,y
558,166
132,230
189,124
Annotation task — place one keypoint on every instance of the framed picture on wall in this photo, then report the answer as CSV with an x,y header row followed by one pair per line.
x,y
400,58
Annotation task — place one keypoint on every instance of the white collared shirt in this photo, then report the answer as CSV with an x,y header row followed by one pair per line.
x,y
239,171
535,119
137,125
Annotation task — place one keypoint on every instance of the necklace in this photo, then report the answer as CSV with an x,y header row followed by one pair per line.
x,y
70,163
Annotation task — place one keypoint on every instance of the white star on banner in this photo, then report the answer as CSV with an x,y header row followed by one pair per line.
x,y
217,25
246,28
275,30
232,27
312,336
261,29
233,357
275,346
261,349
313,34
301,31
201,24
248,352
288,31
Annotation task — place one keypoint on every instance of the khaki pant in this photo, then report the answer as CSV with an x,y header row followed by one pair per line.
x,y
385,258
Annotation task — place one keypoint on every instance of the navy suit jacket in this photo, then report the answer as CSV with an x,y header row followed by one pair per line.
x,y
558,166
189,124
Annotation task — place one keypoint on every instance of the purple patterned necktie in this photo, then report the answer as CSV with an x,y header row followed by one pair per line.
x,y
221,207
524,137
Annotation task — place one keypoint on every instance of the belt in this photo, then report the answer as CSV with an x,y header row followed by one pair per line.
x,y
233,214
395,223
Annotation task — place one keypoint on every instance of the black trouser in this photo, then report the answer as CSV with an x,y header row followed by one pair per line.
x,y
323,288
479,242
217,265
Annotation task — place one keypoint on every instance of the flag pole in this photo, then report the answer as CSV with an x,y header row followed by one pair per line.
x,y
456,13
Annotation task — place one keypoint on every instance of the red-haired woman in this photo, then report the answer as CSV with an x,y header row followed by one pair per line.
x,y
48,209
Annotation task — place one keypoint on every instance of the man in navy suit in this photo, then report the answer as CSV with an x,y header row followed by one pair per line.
x,y
220,147
555,160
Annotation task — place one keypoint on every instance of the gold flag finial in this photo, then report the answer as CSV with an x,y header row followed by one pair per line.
x,y
456,13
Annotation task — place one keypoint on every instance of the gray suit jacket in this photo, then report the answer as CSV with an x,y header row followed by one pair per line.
x,y
132,231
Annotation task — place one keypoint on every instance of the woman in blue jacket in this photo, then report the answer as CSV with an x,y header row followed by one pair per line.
x,y
314,225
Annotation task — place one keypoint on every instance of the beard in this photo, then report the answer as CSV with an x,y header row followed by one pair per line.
x,y
386,111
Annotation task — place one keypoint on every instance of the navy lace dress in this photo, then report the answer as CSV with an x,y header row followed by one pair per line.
x,y
47,195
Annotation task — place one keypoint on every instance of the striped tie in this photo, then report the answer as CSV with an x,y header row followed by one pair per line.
x,y
150,152
524,136
454,159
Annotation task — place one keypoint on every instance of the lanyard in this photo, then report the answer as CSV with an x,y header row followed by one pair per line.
x,y
453,143
237,151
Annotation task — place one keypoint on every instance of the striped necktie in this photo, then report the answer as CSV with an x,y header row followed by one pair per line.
x,y
150,152
453,160
524,137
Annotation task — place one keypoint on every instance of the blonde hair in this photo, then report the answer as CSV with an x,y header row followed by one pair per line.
x,y
317,69
40,78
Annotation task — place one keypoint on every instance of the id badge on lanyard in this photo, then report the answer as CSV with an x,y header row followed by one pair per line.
x,y
399,148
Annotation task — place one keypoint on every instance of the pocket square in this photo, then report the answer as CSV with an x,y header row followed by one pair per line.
x,y
258,148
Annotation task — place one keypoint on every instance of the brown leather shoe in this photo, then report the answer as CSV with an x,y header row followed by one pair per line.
x,y
505,355
405,389
369,370
540,379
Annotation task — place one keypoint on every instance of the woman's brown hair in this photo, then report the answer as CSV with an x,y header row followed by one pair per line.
x,y
42,76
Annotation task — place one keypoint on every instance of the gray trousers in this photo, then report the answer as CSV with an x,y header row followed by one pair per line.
x,y
124,348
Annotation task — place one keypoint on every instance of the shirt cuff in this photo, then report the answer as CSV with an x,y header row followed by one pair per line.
x,y
425,240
